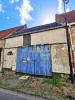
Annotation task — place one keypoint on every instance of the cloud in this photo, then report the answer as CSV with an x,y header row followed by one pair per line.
x,y
13,1
49,19
24,11
67,10
1,9
60,6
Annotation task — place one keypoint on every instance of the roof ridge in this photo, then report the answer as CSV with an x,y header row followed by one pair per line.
x,y
14,27
37,29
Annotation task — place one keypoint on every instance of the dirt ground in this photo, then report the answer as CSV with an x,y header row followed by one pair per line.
x,y
58,87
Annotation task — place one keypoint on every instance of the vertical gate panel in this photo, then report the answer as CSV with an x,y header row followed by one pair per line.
x,y
37,63
30,61
24,63
45,62
18,60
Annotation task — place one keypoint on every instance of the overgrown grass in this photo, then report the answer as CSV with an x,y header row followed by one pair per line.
x,y
55,80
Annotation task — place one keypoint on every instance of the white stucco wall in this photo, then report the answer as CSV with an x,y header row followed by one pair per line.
x,y
49,37
14,42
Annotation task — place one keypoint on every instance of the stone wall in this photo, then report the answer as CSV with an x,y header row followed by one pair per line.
x,y
60,61
10,59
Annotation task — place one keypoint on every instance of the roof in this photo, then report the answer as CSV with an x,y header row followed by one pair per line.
x,y
36,29
70,16
7,32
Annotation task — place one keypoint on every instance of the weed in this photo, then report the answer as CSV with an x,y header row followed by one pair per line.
x,y
55,80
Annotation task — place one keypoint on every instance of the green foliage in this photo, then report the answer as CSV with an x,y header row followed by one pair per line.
x,y
55,80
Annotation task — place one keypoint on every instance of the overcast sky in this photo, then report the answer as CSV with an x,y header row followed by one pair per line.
x,y
31,12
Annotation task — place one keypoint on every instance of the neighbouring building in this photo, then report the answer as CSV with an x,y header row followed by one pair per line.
x,y
70,17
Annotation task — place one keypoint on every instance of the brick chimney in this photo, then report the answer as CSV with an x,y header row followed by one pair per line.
x,y
70,16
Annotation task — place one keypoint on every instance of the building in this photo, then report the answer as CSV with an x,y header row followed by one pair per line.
x,y
46,44
53,35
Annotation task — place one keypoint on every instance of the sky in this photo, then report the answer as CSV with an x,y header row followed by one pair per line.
x,y
31,12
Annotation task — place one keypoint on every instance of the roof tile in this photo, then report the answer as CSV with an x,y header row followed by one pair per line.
x,y
7,32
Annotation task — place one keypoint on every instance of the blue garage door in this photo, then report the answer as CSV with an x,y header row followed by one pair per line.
x,y
34,60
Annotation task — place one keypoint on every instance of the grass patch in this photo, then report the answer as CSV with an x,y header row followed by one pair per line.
x,y
55,80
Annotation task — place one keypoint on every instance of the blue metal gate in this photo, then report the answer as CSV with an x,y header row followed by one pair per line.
x,y
34,60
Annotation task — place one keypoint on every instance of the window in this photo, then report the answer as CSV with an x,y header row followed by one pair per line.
x,y
26,40
10,53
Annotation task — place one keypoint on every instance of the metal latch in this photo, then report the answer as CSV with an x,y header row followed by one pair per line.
x,y
25,59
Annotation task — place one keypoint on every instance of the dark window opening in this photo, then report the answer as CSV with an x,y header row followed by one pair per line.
x,y
26,40
10,53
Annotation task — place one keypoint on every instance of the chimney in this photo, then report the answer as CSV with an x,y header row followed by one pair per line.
x,y
59,18
70,16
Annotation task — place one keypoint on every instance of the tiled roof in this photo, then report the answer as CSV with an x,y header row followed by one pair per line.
x,y
36,29
7,32
70,16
